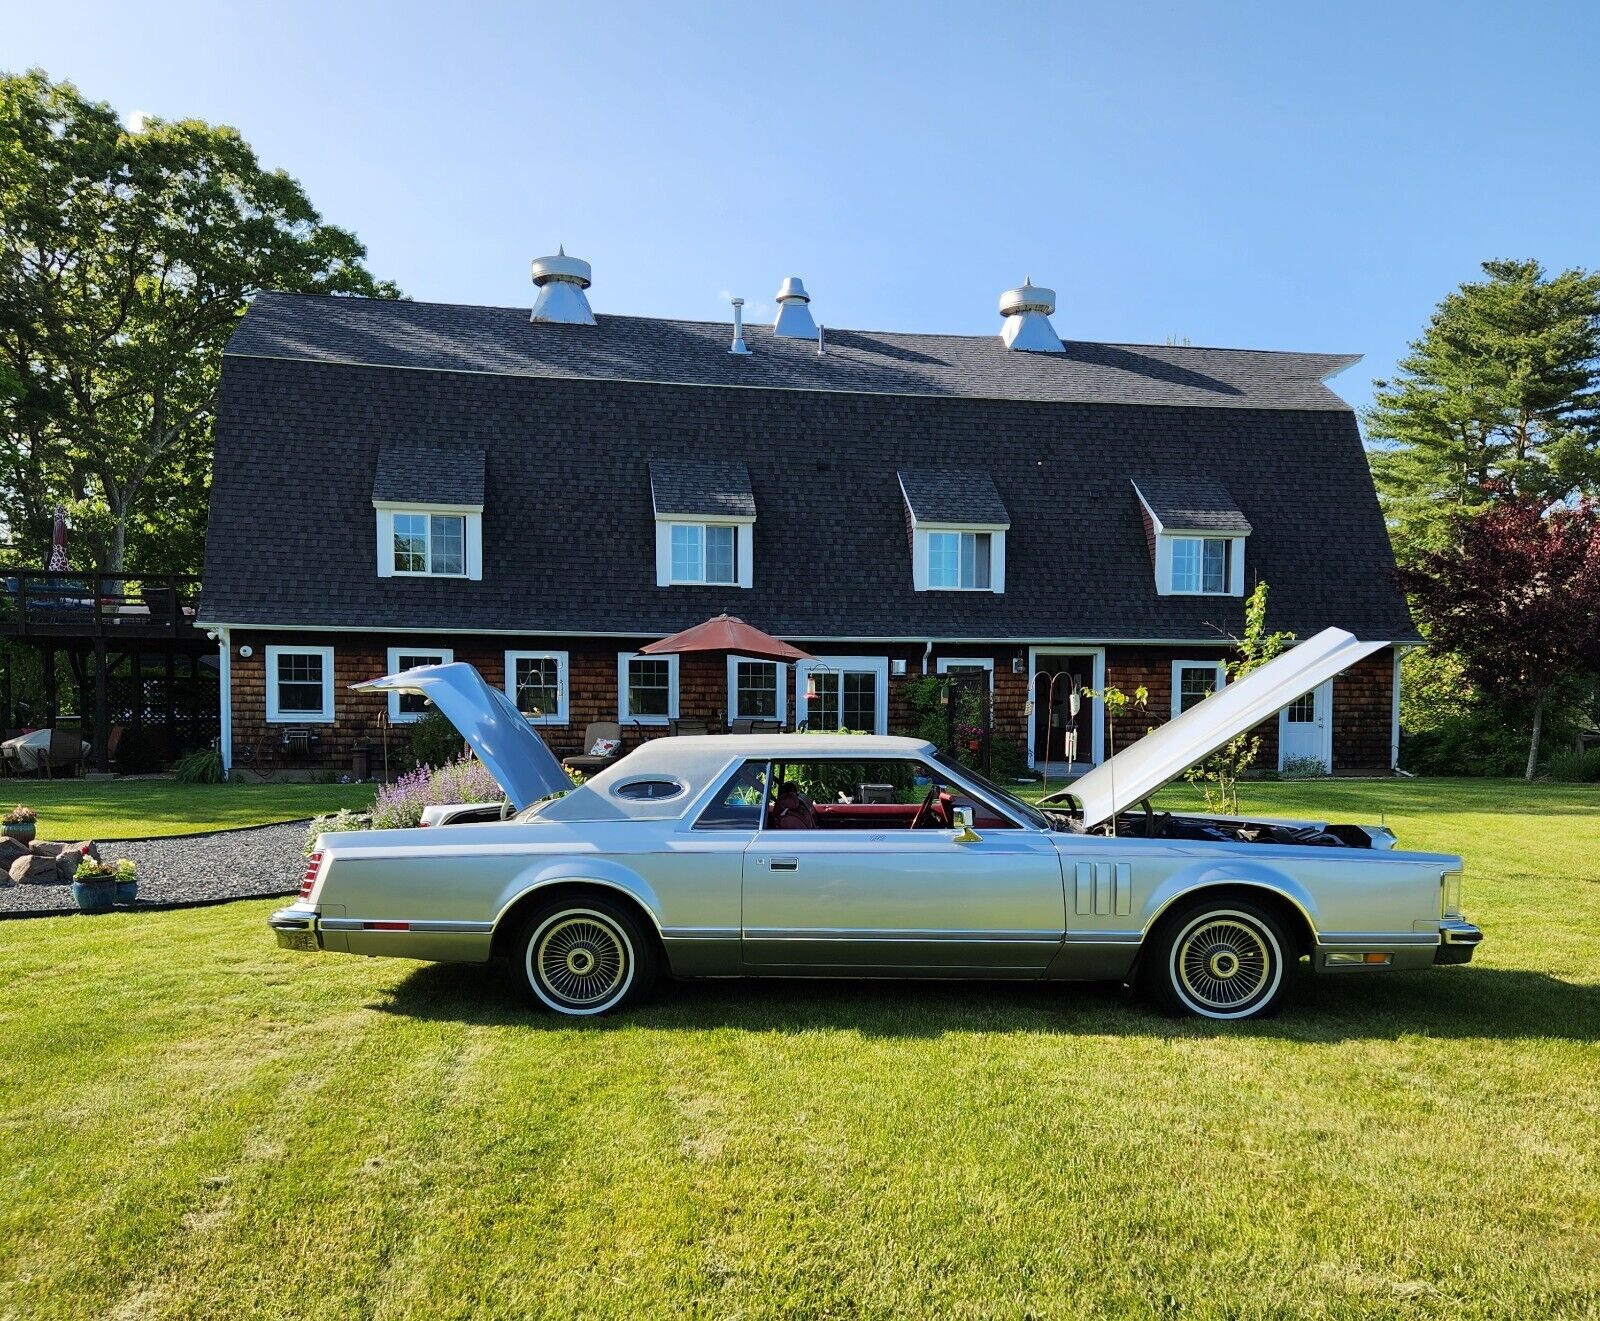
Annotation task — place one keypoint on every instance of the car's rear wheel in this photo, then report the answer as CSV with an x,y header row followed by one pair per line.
x,y
1222,959
582,956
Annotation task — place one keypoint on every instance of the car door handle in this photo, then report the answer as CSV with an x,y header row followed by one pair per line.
x,y
786,864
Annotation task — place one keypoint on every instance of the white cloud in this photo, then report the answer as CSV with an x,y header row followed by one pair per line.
x,y
137,120
725,296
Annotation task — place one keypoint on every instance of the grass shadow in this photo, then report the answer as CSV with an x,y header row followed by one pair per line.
x,y
1470,1003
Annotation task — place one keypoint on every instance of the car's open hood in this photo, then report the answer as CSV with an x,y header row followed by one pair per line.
x,y
1160,757
492,726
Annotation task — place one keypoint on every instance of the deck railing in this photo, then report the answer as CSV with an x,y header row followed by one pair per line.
x,y
39,603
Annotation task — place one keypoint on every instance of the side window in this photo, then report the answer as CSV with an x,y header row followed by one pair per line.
x,y
739,803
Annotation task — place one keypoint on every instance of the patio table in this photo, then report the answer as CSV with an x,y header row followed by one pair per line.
x,y
27,752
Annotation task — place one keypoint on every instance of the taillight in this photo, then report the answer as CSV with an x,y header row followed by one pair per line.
x,y
313,866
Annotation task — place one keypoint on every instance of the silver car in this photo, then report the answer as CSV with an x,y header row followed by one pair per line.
x,y
860,856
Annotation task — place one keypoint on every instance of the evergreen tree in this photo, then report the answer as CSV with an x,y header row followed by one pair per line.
x,y
1499,398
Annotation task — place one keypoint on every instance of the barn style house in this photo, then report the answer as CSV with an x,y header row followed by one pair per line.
x,y
544,493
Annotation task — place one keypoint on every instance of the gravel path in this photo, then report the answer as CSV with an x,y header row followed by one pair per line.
x,y
189,869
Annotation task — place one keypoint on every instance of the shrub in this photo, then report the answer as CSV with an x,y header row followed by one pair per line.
x,y
466,780
330,822
1303,768
202,767
1575,766
434,740
1481,741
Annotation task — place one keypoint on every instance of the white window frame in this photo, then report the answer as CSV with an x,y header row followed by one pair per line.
x,y
1166,537
472,550
733,689
436,655
743,550
943,665
961,534
623,718
279,717
825,665
1201,542
560,715
1218,669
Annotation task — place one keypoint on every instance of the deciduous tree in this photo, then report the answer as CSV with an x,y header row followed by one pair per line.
x,y
126,259
1517,597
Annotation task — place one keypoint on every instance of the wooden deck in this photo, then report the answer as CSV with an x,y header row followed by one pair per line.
x,y
86,608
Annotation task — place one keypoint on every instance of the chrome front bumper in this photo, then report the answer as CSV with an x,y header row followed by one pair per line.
x,y
1457,940
296,928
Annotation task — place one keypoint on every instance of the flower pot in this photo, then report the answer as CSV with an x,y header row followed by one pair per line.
x,y
127,891
94,896
21,831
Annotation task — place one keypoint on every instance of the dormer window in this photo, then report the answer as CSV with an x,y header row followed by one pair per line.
x,y
705,523
960,561
1200,565
958,530
1196,535
705,552
429,505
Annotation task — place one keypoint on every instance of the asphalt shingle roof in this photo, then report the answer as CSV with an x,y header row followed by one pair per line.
x,y
502,341
420,470
569,535
701,486
943,495
1192,504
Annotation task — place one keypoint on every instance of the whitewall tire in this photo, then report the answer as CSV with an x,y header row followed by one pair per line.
x,y
1223,959
584,956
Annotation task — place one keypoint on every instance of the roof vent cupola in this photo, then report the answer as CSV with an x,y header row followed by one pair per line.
x,y
561,281
1027,310
794,313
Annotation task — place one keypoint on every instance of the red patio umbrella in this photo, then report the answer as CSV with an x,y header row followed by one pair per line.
x,y
726,633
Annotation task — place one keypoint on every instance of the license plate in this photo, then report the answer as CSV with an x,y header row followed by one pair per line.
x,y
306,940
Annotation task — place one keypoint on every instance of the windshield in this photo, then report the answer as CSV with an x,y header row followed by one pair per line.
x,y
1029,813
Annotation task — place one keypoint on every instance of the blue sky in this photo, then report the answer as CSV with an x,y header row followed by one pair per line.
x,y
1263,175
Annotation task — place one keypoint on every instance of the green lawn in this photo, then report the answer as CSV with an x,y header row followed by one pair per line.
x,y
195,1124
122,809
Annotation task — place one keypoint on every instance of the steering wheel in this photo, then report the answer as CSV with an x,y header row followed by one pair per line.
x,y
935,807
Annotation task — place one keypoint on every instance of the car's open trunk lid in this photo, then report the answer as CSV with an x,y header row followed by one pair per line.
x,y
491,724
1161,756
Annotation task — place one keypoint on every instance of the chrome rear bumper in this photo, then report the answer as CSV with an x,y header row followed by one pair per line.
x,y
296,928
1457,940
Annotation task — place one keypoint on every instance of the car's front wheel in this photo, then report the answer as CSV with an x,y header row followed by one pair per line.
x,y
583,956
1220,959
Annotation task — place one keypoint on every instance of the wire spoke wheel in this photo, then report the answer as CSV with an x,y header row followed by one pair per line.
x,y
1225,964
580,961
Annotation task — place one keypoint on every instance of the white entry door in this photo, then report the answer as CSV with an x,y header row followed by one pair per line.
x,y
1305,728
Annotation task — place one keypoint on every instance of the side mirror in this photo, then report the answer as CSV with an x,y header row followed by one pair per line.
x,y
964,833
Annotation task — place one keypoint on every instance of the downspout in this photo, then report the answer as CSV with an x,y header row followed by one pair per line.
x,y
225,695
927,653
1394,718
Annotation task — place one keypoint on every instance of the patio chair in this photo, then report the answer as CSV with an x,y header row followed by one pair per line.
x,y
588,762
685,728
64,753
